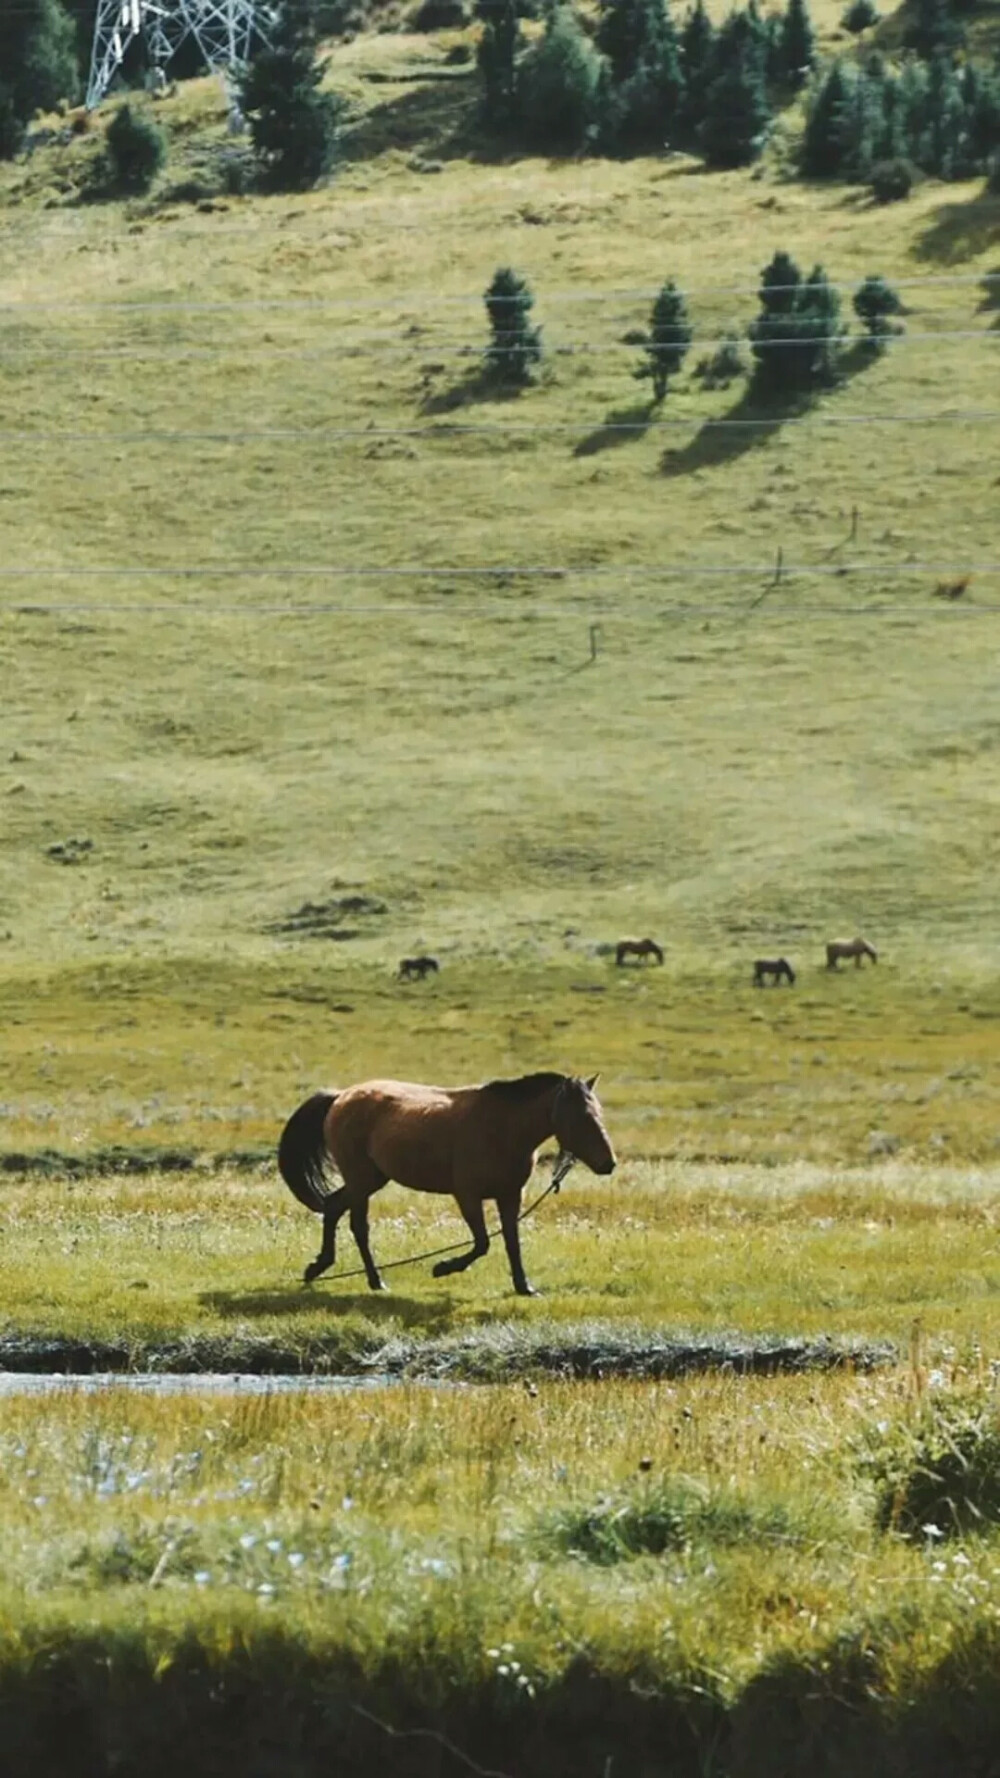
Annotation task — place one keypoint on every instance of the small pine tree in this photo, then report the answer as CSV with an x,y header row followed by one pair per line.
x,y
639,39
515,345
293,126
669,339
934,28
496,59
798,44
135,149
737,113
561,84
875,303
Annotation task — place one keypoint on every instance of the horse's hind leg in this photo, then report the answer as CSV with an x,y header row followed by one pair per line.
x,y
333,1210
472,1210
510,1210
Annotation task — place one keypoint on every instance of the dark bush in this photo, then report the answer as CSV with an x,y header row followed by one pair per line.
x,y
797,335
293,126
723,365
515,344
668,340
560,86
440,15
135,149
891,180
37,62
876,304
860,15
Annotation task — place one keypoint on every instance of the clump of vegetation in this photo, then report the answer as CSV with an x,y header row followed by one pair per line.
x,y
943,119
938,1475
561,84
892,180
497,58
440,15
672,1514
515,345
798,333
737,110
876,304
135,149
796,44
724,365
38,65
293,126
668,341
860,16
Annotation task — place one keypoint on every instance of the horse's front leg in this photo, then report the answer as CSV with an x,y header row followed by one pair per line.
x,y
509,1207
333,1210
359,1229
472,1210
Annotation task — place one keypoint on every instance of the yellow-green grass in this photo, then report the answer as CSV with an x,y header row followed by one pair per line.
x,y
206,1268
415,1558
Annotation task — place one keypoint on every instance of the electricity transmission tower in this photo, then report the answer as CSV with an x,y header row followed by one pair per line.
x,y
222,30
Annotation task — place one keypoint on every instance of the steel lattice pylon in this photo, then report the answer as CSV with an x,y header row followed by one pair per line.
x,y
221,28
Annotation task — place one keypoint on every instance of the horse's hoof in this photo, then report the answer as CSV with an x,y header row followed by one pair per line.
x,y
380,1284
441,1270
526,1290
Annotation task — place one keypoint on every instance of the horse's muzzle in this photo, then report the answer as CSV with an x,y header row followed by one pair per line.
x,y
607,1166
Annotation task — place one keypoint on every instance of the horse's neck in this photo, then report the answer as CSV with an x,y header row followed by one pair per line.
x,y
539,1118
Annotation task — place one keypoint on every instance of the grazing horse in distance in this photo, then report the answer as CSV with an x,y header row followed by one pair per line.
x,y
857,948
476,1143
416,968
952,589
778,968
637,947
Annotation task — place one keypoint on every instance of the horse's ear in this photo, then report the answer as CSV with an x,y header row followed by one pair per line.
x,y
592,1082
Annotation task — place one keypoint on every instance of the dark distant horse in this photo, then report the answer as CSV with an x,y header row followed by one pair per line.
x,y
476,1143
778,968
637,947
415,968
849,947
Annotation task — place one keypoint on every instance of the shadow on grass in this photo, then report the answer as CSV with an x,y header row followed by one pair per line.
x,y
755,418
435,1316
478,384
624,425
960,231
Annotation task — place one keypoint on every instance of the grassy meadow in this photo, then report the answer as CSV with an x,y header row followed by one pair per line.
x,y
315,654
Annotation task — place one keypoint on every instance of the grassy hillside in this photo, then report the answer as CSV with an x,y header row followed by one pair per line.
x,y
243,443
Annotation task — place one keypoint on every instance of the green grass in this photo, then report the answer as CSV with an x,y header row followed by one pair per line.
x,y
744,769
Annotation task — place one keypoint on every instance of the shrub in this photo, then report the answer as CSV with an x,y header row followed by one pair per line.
x,y
515,345
135,149
875,303
671,1515
668,340
440,15
293,126
938,1476
933,28
12,129
892,180
560,85
724,365
859,16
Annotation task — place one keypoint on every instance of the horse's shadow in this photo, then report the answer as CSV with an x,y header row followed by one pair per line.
x,y
434,1316
624,425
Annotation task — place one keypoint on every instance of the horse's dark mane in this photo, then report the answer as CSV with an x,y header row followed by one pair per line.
x,y
527,1087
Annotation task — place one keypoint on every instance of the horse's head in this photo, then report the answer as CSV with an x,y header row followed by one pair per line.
x,y
579,1125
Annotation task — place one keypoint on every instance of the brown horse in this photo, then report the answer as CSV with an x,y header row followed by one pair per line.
x,y
476,1143
857,948
637,947
777,968
415,968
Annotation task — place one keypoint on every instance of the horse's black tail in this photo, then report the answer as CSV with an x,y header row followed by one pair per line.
x,y
302,1152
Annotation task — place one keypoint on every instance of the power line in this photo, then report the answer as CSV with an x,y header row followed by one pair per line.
x,y
416,299
358,347
579,613
443,429
497,571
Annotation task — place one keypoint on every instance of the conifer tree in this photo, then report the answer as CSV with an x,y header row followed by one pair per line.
x,y
797,334
669,339
824,144
798,43
293,126
515,345
697,46
737,113
38,64
875,303
647,82
496,58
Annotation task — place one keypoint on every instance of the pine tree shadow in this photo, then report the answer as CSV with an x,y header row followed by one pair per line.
x,y
961,231
477,385
757,417
991,295
624,425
